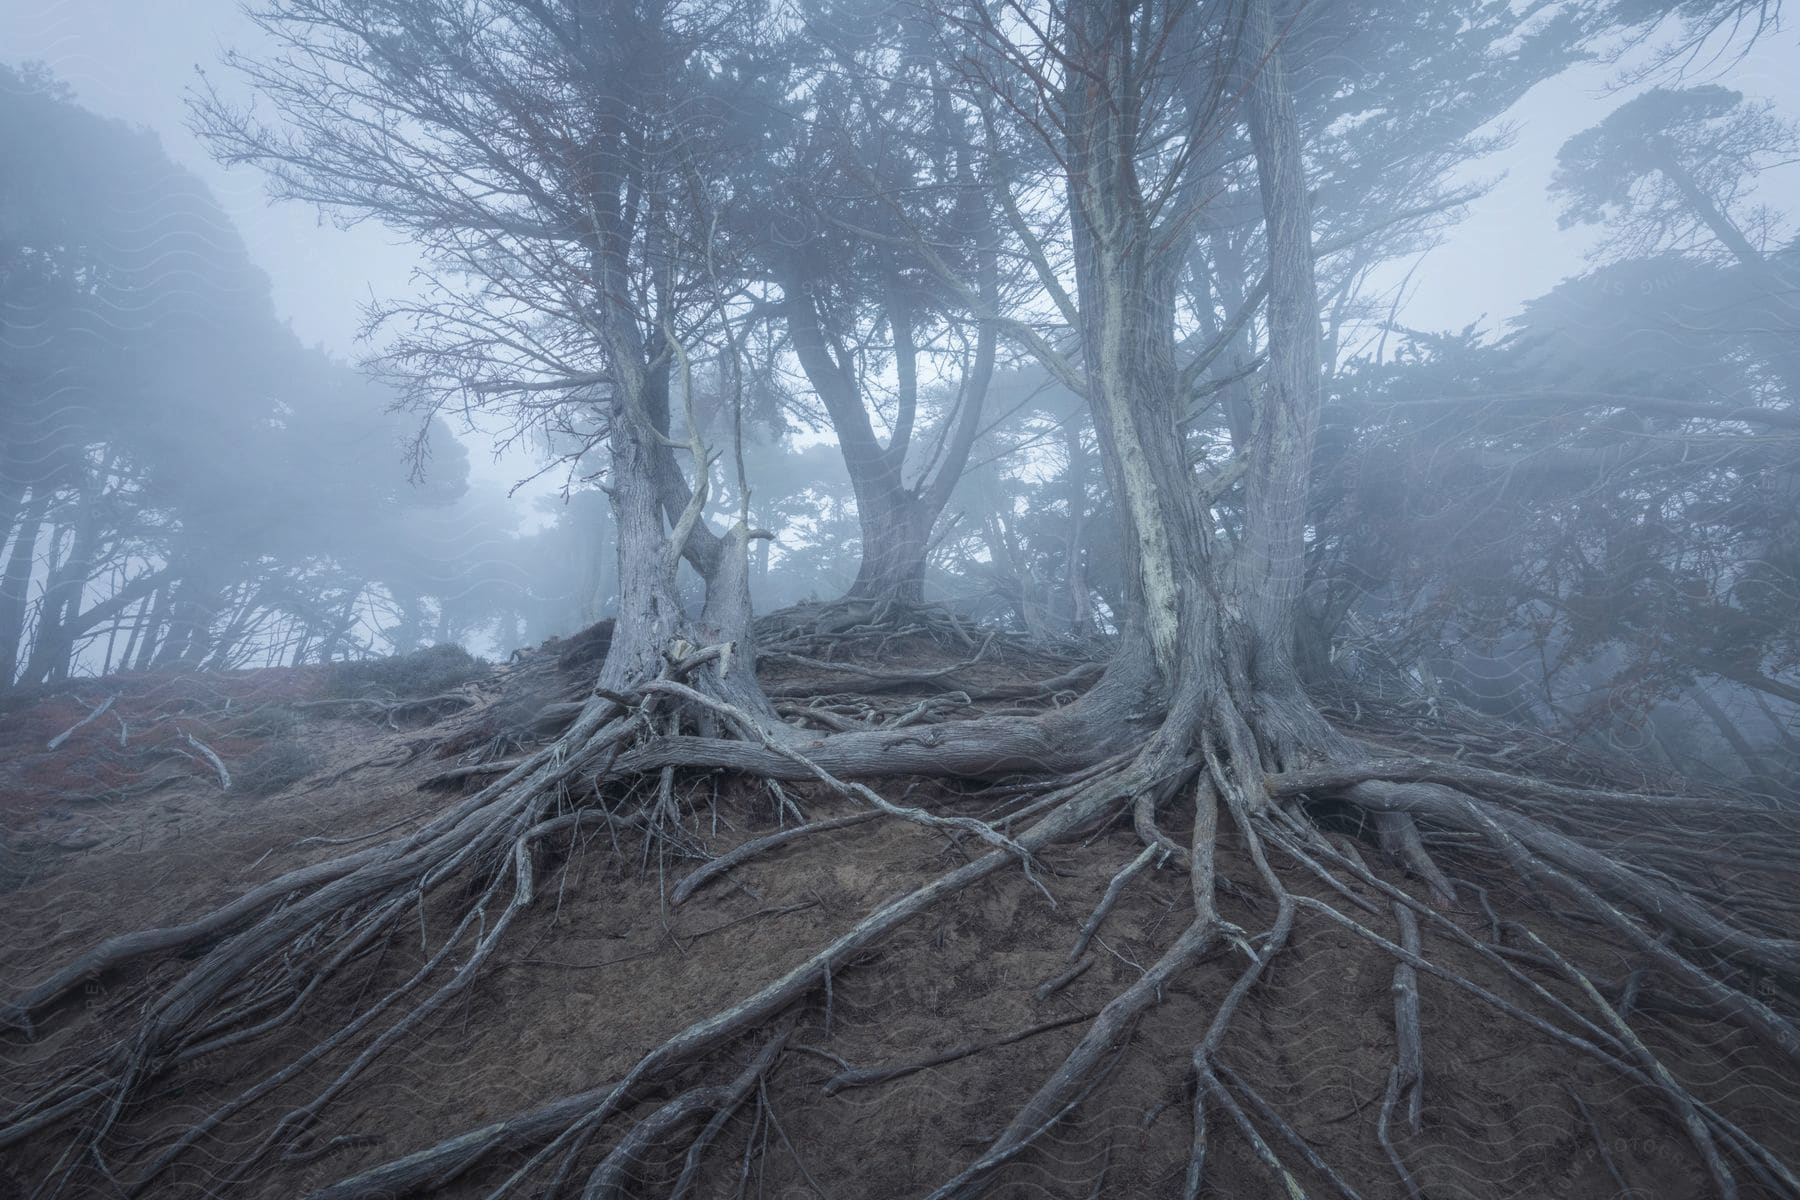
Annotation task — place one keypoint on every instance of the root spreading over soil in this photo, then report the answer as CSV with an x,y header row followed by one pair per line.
x,y
542,939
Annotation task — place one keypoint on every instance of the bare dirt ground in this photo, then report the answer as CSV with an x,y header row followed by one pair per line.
x,y
110,832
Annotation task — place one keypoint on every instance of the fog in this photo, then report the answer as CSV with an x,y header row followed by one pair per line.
x,y
1156,590
495,536
138,62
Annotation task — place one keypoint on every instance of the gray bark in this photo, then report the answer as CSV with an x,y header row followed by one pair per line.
x,y
896,519
15,583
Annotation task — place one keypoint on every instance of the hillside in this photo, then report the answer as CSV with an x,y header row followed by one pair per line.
x,y
905,1063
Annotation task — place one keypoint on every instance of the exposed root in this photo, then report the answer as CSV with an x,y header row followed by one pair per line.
x,y
211,756
1400,838
1407,1079
855,1077
1612,1168
1063,979
261,967
577,1116
918,816
1081,1072
1288,1133
1409,1070
755,848
94,714
390,711
1114,890
610,1178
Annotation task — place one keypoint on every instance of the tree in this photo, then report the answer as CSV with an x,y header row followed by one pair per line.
x,y
166,445
1675,169
1693,23
869,173
1603,497
1029,510
561,155
567,238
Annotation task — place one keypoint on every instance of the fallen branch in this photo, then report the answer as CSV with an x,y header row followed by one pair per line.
x,y
218,764
64,736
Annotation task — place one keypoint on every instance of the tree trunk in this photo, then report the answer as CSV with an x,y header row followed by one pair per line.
x,y
192,610
896,520
15,583
155,627
59,617
12,505
1211,635
1014,581
896,537
219,658
1775,276
1080,613
126,660
652,624
1760,776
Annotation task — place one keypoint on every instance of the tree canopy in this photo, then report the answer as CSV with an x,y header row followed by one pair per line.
x,y
981,420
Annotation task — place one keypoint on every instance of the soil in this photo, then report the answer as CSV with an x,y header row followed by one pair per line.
x,y
101,838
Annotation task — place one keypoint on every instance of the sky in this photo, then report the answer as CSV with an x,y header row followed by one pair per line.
x,y
137,59
1508,249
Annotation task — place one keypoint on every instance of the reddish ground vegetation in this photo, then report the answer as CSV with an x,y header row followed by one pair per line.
x,y
85,792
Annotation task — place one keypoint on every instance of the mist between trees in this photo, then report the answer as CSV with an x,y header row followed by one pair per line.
x,y
1040,335
1583,519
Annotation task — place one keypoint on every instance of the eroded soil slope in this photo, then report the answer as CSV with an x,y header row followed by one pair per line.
x,y
125,825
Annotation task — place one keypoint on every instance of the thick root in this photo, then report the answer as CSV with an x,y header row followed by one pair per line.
x,y
622,768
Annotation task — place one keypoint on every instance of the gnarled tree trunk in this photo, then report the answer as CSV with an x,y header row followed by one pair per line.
x,y
896,518
15,582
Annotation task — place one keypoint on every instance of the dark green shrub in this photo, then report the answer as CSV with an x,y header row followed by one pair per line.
x,y
425,672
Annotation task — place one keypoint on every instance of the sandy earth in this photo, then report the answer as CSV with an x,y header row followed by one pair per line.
x,y
604,969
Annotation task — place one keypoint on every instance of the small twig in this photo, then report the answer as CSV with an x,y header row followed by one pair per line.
x,y
361,837
793,1150
1113,891
751,916
456,774
1679,1099
1606,1158
1388,1099
1288,1133
1284,1179
855,1077
1052,986
734,1098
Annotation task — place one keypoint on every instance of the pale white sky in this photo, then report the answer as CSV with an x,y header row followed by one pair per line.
x,y
135,59
1508,249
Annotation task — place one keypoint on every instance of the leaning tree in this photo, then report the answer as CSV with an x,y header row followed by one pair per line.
x,y
561,163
